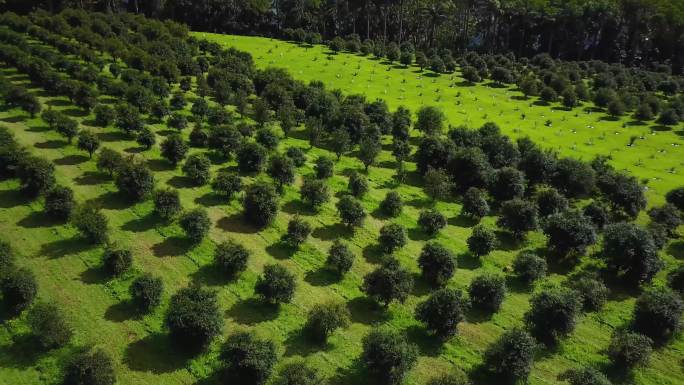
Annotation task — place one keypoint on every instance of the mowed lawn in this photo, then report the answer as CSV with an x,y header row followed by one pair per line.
x,y
584,132
68,269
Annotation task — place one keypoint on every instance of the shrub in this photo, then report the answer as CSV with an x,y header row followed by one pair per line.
x,y
196,224
392,204
442,312
37,175
511,356
197,168
553,314
297,155
251,157
529,267
388,356
487,292
389,282
174,149
59,202
90,368
628,350
675,279
146,138
437,264
676,197
248,359
91,223
630,253
47,323
226,183
592,292
518,216
431,221
134,179
146,292
276,285
340,258
193,318
584,376
324,167
167,203
19,289
475,203
314,192
231,258
668,117
351,211
482,241
657,313
325,318
358,184
550,201
298,231
109,161
392,237
260,205
298,373
117,261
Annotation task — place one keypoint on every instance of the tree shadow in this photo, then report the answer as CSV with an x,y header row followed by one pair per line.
x,y
64,247
252,311
296,206
91,178
211,199
14,119
112,200
155,353
298,343
13,198
121,311
172,247
58,103
322,277
676,249
365,311
51,144
94,275
429,344
38,129
333,231
71,160
356,373
463,221
211,275
506,241
75,112
420,286
379,214
468,261
160,165
420,203
280,250
417,234
236,224
373,253
113,136
476,316
180,182
23,353
139,225
38,219
517,285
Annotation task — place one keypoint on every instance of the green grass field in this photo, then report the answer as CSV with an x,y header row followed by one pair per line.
x,y
68,269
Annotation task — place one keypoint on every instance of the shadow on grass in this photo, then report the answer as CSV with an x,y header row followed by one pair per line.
x,y
94,275
71,160
322,277
280,250
420,203
139,225
211,275
236,224
517,285
51,144
24,352
507,242
365,311
476,316
463,221
252,311
13,198
298,343
160,165
112,201
38,219
113,136
354,374
420,286
428,344
121,311
172,246
75,112
91,178
14,119
676,249
468,261
181,182
296,206
64,247
417,234
334,231
155,353
373,253
211,199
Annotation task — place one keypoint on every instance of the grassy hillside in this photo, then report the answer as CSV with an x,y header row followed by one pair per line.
x,y
583,132
69,270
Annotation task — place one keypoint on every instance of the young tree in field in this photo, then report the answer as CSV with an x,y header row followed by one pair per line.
x,y
88,141
109,161
358,184
197,168
584,376
569,232
277,285
340,142
178,121
298,230
529,267
267,138
117,261
487,292
193,318
59,202
351,211
314,192
388,356
511,356
104,115
553,314
146,138
475,203
90,368
592,292
49,325
196,224
518,216
251,157
231,258
431,221
146,292
389,282
247,359
174,149
260,205
323,319
392,237
430,120
657,313
167,203
392,204
134,179
340,258
91,223
508,183
226,183
67,127
369,149
550,201
19,289
437,264
437,184
630,253
442,312
324,167
37,175
282,169
482,241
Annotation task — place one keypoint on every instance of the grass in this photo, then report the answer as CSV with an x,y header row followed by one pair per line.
x,y
69,273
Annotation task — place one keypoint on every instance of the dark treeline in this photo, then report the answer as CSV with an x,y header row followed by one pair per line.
x,y
634,32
